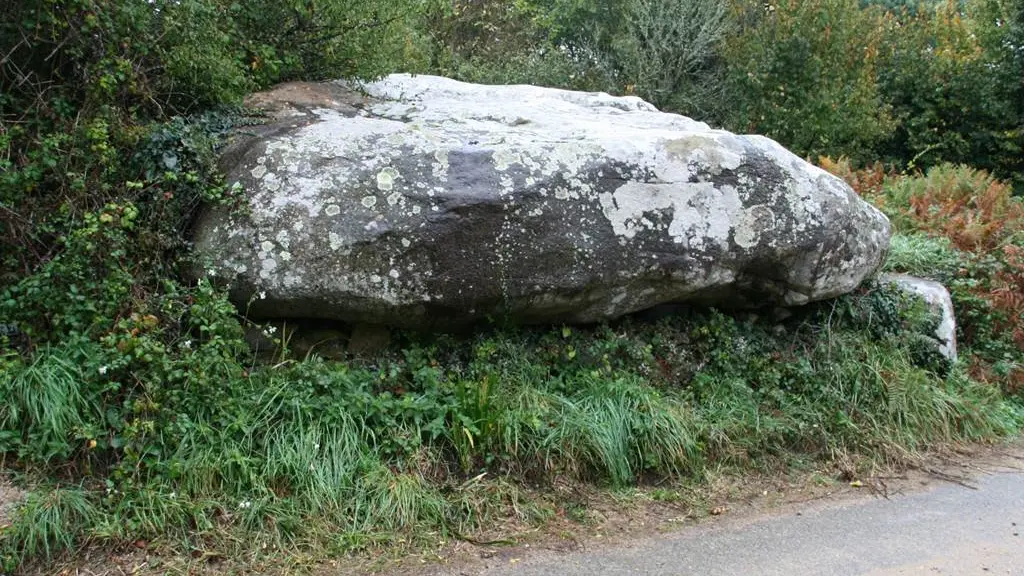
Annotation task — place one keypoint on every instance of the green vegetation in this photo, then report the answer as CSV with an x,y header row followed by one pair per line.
x,y
136,411
962,227
334,456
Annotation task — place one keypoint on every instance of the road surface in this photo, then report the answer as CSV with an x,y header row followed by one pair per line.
x,y
950,529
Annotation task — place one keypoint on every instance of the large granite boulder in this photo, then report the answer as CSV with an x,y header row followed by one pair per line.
x,y
420,201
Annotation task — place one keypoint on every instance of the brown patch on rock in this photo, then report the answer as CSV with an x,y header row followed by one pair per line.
x,y
294,98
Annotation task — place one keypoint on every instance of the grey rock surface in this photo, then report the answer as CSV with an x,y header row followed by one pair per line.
x,y
938,299
422,201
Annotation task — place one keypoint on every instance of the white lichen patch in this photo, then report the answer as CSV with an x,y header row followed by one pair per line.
x,y
439,168
368,201
332,210
504,158
441,156
386,179
752,226
700,212
283,239
267,267
334,241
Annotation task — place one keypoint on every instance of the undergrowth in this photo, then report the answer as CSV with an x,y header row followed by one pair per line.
x,y
440,436
964,228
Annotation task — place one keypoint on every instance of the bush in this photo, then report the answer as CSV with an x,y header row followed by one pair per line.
x,y
942,72
665,54
977,212
804,73
661,50
983,222
494,42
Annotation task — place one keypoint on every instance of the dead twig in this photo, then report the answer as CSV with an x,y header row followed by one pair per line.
x,y
959,480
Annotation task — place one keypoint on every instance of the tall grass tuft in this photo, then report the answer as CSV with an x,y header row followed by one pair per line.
x,y
45,401
51,522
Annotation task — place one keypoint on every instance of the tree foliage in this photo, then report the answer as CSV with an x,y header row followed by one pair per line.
x,y
947,75
804,73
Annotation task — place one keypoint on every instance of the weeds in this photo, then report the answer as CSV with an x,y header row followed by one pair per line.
x,y
51,522
434,437
925,256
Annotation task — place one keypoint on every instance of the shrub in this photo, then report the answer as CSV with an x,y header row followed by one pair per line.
x,y
983,222
977,212
942,72
665,54
494,42
804,73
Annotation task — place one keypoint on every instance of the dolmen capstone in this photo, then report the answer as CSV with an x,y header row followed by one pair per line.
x,y
420,201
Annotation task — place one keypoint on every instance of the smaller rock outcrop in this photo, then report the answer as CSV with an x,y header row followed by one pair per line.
x,y
938,299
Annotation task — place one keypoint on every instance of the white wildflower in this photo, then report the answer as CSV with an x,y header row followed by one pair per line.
x,y
245,504
263,295
103,370
187,344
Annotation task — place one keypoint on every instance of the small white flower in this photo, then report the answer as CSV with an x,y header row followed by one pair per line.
x,y
211,272
245,504
103,370
187,344
174,495
270,330
316,446
263,295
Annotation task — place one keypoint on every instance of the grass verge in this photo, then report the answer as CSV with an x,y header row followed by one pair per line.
x,y
452,437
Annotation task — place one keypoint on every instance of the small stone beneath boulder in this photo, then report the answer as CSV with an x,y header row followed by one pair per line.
x,y
938,299
422,202
368,339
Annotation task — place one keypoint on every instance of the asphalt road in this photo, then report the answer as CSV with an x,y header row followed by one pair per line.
x,y
950,530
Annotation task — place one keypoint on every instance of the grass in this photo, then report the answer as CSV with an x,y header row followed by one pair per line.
x,y
51,522
440,439
925,256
